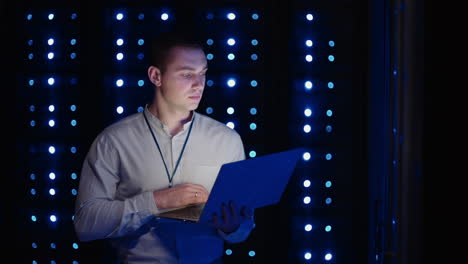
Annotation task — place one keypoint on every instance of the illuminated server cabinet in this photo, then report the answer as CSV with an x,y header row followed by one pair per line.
x,y
281,74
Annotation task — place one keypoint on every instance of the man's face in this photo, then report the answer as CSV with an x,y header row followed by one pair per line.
x,y
183,81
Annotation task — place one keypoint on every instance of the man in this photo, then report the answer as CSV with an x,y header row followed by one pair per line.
x,y
165,157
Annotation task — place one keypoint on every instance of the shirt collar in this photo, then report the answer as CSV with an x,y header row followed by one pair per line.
x,y
155,120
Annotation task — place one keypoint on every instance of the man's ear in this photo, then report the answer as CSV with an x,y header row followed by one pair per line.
x,y
154,74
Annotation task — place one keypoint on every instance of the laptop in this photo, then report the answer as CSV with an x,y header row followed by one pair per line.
x,y
255,183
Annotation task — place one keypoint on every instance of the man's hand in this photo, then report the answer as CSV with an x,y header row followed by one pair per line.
x,y
180,195
230,219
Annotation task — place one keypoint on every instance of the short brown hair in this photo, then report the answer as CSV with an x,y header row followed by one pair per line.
x,y
165,41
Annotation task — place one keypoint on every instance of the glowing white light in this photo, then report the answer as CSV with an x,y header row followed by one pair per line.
x,y
51,191
307,112
309,43
51,108
328,256
231,56
308,58
52,176
119,16
231,42
50,41
230,125
50,16
231,82
51,149
306,156
230,110
51,123
119,56
308,255
307,128
306,183
309,17
308,85
307,200
50,55
119,110
119,42
51,81
53,218
164,16
308,227
231,16
119,83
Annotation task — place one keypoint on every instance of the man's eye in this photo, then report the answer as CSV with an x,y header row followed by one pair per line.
x,y
187,75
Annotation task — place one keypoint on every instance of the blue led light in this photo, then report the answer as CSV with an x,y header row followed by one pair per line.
x,y
330,85
328,228
30,42
252,154
73,150
209,42
253,83
209,83
329,112
331,58
31,82
331,43
254,42
209,16
140,56
28,16
34,245
33,218
74,192
231,56
328,200
32,176
228,252
119,56
209,56
75,246
328,184
141,42
231,82
119,16
30,56
32,108
253,111
252,253
328,128
255,16
72,42
209,110
52,245
141,16
53,218
254,56
328,156
231,16
74,176
51,149
73,122
140,109
32,123
119,110
73,16
33,191
141,83
253,126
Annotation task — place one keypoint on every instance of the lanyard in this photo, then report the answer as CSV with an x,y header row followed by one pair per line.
x,y
169,177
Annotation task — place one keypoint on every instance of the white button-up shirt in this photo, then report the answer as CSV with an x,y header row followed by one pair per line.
x,y
122,169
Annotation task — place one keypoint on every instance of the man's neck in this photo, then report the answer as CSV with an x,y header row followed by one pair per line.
x,y
174,120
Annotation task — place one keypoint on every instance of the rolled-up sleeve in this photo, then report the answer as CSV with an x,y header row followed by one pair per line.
x,y
98,213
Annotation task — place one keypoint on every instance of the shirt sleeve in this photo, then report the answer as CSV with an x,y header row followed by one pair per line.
x,y
98,214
